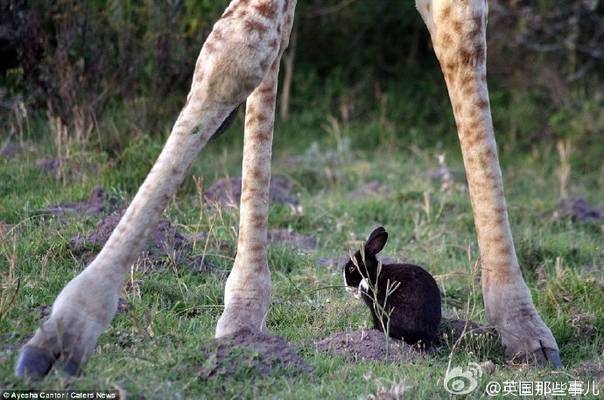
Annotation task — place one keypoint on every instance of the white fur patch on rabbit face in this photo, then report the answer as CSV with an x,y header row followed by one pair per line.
x,y
364,286
357,292
351,289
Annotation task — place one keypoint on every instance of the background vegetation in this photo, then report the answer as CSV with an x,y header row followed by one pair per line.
x,y
96,86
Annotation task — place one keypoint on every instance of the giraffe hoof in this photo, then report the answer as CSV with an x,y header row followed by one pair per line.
x,y
547,358
71,367
33,363
543,357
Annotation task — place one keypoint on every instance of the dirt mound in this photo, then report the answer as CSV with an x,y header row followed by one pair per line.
x,y
580,210
371,188
98,202
68,168
165,243
292,239
367,345
370,345
163,238
247,351
227,191
49,165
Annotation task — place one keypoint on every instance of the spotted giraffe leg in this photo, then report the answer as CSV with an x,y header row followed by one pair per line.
x,y
247,293
458,34
233,61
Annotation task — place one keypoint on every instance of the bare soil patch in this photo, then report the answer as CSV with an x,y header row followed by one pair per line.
x,y
372,345
579,210
371,188
98,202
67,169
367,345
292,239
227,191
163,238
248,351
48,165
164,245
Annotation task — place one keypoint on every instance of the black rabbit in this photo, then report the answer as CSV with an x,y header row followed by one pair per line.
x,y
414,299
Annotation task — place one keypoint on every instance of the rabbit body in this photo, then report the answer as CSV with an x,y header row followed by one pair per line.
x,y
402,298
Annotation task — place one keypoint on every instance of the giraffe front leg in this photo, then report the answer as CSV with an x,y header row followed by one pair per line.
x,y
233,61
247,293
458,34
77,319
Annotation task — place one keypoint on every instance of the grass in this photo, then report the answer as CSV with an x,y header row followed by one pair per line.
x,y
154,350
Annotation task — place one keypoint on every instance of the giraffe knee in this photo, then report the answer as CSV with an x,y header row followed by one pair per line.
x,y
234,60
230,81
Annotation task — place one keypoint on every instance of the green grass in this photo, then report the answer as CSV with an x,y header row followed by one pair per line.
x,y
155,349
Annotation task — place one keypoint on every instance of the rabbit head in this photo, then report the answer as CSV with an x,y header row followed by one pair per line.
x,y
364,263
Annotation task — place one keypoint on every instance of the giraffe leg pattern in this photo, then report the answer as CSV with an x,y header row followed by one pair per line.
x,y
247,293
457,28
234,60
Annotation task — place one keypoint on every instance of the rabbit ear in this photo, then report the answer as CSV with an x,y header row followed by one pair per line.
x,y
376,241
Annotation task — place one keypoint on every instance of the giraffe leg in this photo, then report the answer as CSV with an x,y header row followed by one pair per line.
x,y
247,293
458,34
233,61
